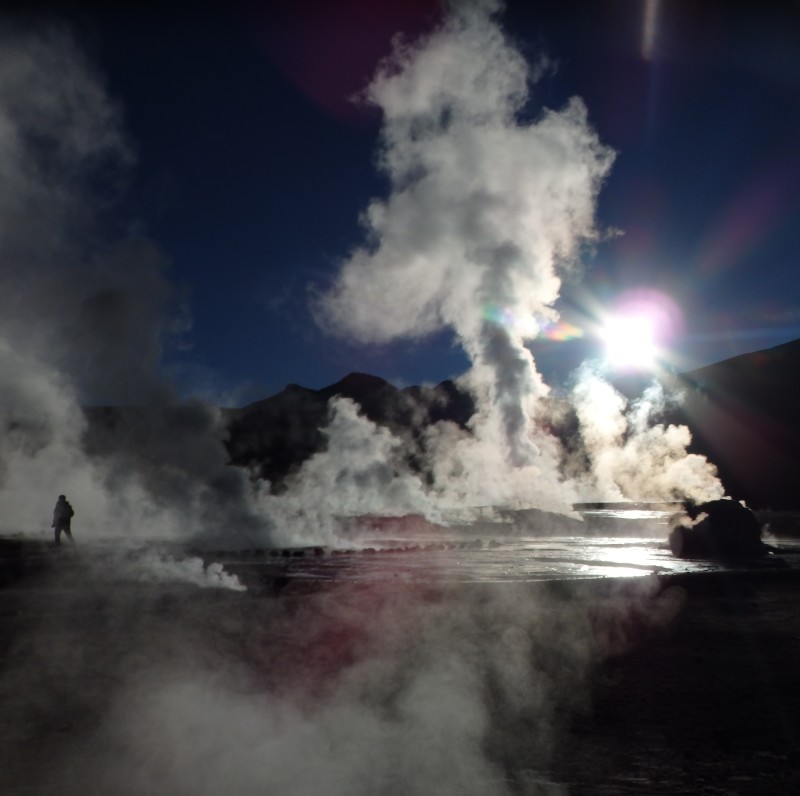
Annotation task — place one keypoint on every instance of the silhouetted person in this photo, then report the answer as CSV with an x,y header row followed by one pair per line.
x,y
62,517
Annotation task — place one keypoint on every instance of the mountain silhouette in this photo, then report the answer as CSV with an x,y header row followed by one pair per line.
x,y
274,436
742,414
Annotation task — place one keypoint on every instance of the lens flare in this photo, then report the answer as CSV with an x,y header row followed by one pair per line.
x,y
561,332
523,325
649,28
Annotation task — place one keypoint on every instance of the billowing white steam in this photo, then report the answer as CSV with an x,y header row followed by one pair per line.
x,y
357,473
485,213
630,455
391,689
84,315
153,566
486,210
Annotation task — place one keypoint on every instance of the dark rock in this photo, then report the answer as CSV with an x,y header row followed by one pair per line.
x,y
718,529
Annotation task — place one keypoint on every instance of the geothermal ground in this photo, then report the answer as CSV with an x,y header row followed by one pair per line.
x,y
390,670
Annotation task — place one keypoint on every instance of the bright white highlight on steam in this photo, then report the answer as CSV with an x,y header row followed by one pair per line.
x,y
630,342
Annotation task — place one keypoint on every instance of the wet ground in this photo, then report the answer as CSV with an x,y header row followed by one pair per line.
x,y
514,546
519,547
481,660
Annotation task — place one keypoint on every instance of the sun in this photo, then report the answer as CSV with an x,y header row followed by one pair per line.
x,y
630,341
638,331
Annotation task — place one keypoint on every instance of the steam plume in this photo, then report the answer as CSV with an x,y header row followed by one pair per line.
x,y
486,212
385,690
85,313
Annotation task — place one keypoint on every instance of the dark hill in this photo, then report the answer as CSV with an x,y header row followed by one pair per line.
x,y
743,415
275,436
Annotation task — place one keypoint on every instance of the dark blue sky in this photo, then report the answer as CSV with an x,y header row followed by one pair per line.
x,y
252,168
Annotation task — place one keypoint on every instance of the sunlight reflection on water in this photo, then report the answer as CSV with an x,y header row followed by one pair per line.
x,y
604,543
599,544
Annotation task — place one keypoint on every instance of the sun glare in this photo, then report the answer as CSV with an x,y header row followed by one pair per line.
x,y
637,331
630,342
